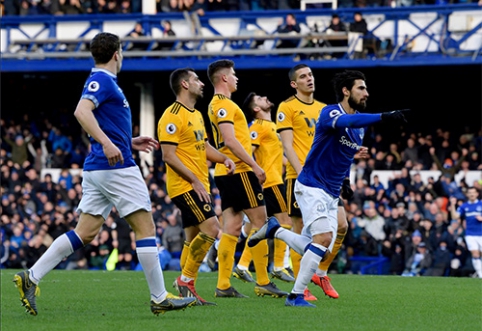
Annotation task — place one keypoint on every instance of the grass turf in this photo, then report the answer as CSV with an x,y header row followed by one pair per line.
x,y
119,300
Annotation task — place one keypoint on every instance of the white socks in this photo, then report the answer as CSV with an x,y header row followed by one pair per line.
x,y
309,263
321,273
294,240
62,247
149,259
477,264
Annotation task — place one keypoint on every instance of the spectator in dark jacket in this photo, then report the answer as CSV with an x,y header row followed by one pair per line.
x,y
441,261
290,26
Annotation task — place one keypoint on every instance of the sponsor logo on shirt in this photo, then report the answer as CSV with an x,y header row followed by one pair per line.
x,y
344,141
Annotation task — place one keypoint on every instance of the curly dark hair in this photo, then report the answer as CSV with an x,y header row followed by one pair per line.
x,y
345,79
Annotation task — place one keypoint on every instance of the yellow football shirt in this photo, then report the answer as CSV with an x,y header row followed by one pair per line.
x,y
294,114
184,128
224,110
269,151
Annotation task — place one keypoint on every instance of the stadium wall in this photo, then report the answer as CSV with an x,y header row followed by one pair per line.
x,y
384,175
437,35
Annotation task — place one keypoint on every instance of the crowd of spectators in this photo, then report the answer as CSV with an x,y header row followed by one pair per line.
x,y
75,7
402,221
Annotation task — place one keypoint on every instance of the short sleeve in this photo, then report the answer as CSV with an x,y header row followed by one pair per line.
x,y
256,132
169,128
97,89
224,111
284,117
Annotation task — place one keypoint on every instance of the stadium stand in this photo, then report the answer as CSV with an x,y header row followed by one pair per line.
x,y
445,34
38,202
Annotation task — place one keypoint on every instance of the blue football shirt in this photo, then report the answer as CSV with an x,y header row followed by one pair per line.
x,y
113,114
469,211
338,136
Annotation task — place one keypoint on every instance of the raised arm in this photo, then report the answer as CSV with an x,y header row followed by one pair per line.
x,y
453,209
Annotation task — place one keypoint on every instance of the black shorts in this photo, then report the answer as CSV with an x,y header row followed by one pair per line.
x,y
275,199
193,210
341,203
240,191
125,246
293,208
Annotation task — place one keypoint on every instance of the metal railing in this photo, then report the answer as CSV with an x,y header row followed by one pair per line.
x,y
182,47
422,35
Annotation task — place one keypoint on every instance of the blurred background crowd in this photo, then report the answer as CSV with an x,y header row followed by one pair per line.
x,y
79,7
406,217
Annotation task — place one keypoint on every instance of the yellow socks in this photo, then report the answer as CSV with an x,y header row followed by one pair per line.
x,y
260,260
184,253
198,249
295,261
324,265
245,259
226,250
279,251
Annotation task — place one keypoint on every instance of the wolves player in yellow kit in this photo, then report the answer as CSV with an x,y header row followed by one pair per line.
x,y
296,120
241,192
268,153
185,148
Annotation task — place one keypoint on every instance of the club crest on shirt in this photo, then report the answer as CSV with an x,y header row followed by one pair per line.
x,y
254,135
171,128
93,86
281,116
222,113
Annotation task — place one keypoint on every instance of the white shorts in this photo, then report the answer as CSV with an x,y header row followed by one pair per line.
x,y
474,243
319,210
123,188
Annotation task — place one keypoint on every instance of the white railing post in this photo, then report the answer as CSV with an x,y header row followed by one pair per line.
x,y
303,3
149,7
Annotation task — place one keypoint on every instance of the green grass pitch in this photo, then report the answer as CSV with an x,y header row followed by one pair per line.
x,y
119,300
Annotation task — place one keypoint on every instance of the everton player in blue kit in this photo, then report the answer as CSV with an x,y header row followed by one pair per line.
x,y
338,137
110,178
471,212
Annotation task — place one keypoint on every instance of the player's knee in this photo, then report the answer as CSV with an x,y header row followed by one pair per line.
x,y
86,237
210,227
145,230
342,226
211,232
317,249
323,239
